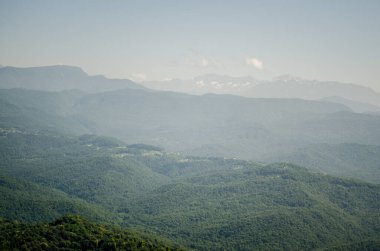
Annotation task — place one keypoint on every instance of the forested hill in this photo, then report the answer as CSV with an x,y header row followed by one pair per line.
x,y
75,233
203,203
52,164
266,130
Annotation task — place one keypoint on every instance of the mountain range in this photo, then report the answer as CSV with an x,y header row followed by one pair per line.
x,y
58,78
260,129
207,172
359,98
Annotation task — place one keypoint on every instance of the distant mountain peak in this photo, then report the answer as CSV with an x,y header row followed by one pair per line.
x,y
57,70
291,78
285,86
58,78
224,78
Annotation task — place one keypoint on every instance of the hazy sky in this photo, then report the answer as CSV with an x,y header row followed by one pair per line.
x,y
326,39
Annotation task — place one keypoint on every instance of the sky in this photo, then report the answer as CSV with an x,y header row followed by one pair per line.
x,y
154,40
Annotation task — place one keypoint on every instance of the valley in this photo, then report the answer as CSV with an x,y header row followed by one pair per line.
x,y
206,172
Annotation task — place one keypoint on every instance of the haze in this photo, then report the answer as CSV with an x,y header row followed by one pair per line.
x,y
189,125
156,40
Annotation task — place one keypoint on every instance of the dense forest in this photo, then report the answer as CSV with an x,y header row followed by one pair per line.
x,y
73,232
199,202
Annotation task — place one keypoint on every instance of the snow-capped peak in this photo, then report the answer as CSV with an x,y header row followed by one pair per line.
x,y
289,78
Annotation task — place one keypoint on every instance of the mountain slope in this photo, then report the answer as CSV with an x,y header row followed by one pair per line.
x,y
209,125
75,233
353,105
58,78
29,202
275,207
87,167
222,125
30,110
346,160
202,203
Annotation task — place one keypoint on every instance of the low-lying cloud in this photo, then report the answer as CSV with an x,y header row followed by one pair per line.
x,y
251,61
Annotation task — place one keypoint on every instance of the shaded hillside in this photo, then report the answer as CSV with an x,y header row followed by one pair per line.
x,y
210,125
354,105
30,110
216,125
346,160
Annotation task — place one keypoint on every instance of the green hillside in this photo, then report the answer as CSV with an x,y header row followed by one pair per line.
x,y
348,160
96,169
74,233
279,206
30,202
201,203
